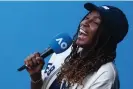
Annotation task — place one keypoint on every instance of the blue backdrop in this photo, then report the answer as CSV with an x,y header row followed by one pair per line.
x,y
27,27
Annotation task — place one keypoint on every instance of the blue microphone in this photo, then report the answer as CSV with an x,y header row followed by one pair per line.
x,y
59,43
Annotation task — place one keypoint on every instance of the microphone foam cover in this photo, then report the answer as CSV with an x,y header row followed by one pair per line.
x,y
61,42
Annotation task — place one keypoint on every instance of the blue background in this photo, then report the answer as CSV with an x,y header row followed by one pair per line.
x,y
27,27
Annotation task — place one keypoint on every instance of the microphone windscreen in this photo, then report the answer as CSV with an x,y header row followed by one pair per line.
x,y
61,42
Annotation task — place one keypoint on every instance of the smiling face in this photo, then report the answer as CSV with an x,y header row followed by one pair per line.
x,y
88,29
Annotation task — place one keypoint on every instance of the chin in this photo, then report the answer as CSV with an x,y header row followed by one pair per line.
x,y
83,44
80,44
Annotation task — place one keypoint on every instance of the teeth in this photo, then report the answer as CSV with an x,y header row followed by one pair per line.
x,y
82,31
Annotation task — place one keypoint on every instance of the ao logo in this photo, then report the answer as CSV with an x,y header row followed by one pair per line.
x,y
63,45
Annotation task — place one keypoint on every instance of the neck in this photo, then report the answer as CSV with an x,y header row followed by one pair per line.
x,y
84,52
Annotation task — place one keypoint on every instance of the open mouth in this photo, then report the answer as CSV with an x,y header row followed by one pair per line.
x,y
82,32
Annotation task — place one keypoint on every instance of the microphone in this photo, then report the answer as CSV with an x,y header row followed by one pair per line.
x,y
59,43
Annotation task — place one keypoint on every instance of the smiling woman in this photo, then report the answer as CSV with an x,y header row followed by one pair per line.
x,y
98,36
89,62
88,29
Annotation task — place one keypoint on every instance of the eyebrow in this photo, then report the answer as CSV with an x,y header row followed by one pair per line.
x,y
95,17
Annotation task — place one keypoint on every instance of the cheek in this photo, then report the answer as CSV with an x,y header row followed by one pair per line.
x,y
93,27
92,33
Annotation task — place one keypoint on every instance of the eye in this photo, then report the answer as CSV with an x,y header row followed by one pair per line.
x,y
86,18
96,23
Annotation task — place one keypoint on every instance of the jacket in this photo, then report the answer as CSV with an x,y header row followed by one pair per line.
x,y
106,77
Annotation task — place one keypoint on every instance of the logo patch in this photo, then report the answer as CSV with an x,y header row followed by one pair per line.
x,y
105,7
49,68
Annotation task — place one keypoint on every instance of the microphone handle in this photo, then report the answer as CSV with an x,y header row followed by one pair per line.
x,y
44,54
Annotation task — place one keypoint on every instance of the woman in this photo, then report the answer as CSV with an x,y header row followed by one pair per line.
x,y
89,63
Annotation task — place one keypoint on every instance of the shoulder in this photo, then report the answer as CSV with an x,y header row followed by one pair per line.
x,y
106,77
103,78
108,70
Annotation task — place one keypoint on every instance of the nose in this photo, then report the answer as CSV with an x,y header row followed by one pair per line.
x,y
84,23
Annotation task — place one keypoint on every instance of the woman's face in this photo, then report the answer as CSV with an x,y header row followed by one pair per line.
x,y
88,29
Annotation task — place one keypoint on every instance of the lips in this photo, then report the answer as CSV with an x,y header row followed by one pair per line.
x,y
82,35
83,32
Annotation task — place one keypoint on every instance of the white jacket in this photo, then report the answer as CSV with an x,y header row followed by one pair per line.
x,y
105,78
